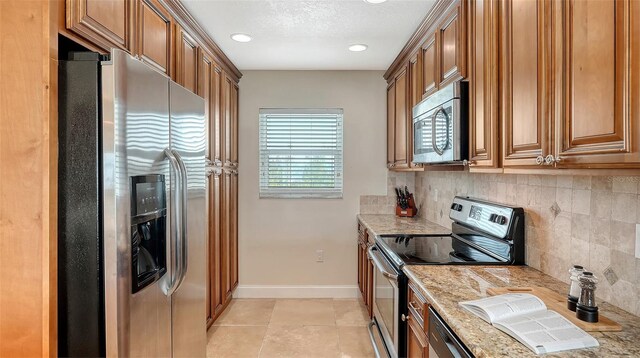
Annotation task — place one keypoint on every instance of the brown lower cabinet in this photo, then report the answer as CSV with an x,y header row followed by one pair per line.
x,y
417,344
417,324
365,269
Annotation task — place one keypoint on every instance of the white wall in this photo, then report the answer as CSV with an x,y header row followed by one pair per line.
x,y
278,238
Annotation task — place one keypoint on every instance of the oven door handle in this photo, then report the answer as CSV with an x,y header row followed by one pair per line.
x,y
379,265
371,326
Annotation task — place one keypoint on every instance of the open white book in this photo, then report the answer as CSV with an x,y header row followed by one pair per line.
x,y
526,318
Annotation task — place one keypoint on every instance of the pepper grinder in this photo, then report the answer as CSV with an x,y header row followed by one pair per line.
x,y
587,309
574,290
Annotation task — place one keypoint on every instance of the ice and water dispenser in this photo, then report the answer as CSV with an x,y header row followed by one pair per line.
x,y
148,230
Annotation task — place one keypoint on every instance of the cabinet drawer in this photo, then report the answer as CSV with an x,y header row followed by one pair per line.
x,y
417,306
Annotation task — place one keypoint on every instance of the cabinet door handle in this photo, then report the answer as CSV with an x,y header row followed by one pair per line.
x,y
552,160
540,160
412,305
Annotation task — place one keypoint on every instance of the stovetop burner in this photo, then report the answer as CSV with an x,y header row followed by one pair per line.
x,y
482,233
432,250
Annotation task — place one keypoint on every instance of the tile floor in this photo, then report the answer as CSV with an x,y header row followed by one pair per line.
x,y
291,328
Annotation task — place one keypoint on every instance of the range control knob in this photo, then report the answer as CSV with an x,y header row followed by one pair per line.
x,y
498,219
456,207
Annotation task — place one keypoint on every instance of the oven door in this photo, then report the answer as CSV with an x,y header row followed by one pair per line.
x,y
386,295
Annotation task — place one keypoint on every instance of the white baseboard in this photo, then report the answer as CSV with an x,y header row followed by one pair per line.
x,y
274,291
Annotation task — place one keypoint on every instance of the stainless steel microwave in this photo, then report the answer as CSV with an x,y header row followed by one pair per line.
x,y
440,126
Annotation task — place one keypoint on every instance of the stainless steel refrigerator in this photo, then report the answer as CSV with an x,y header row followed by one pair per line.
x,y
132,224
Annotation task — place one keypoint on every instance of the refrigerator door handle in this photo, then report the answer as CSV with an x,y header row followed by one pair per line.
x,y
176,222
183,218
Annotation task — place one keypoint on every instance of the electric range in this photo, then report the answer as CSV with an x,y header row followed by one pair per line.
x,y
482,233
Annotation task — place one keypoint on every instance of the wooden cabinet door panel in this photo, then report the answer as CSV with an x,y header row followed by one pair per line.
x,y
451,46
226,246
154,35
359,267
526,123
206,91
233,240
417,345
233,102
217,115
106,23
430,67
391,124
215,297
401,120
229,99
415,96
370,273
596,121
483,84
186,60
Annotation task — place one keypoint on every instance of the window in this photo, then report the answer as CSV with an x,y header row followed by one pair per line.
x,y
301,153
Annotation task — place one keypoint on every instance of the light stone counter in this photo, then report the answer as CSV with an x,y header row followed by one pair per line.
x,y
391,224
445,286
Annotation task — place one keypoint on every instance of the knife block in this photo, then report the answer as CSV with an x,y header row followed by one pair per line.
x,y
409,212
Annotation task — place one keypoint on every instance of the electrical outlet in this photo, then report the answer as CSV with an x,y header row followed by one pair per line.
x,y
435,196
319,255
638,241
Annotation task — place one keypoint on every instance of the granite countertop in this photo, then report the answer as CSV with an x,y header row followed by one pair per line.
x,y
391,224
445,286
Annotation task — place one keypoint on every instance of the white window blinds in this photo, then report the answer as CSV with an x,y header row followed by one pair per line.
x,y
301,153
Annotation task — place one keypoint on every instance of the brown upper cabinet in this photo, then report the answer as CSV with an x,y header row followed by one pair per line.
x,y
186,60
105,23
434,57
398,118
483,84
451,45
570,97
401,120
230,122
552,84
391,124
415,96
154,35
444,50
430,69
597,88
525,105
206,68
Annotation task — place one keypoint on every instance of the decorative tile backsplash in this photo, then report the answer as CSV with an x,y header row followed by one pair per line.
x,y
585,220
386,204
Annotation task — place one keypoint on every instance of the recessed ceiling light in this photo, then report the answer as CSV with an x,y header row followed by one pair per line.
x,y
241,37
375,1
358,47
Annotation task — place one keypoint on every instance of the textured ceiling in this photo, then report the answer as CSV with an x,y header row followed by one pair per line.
x,y
310,35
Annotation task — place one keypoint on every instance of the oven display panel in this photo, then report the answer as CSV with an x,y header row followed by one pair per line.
x,y
475,212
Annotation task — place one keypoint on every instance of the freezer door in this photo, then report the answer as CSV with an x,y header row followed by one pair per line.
x,y
135,131
188,301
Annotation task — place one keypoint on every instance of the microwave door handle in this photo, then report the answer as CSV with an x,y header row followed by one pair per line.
x,y
433,132
434,122
174,235
183,218
379,266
